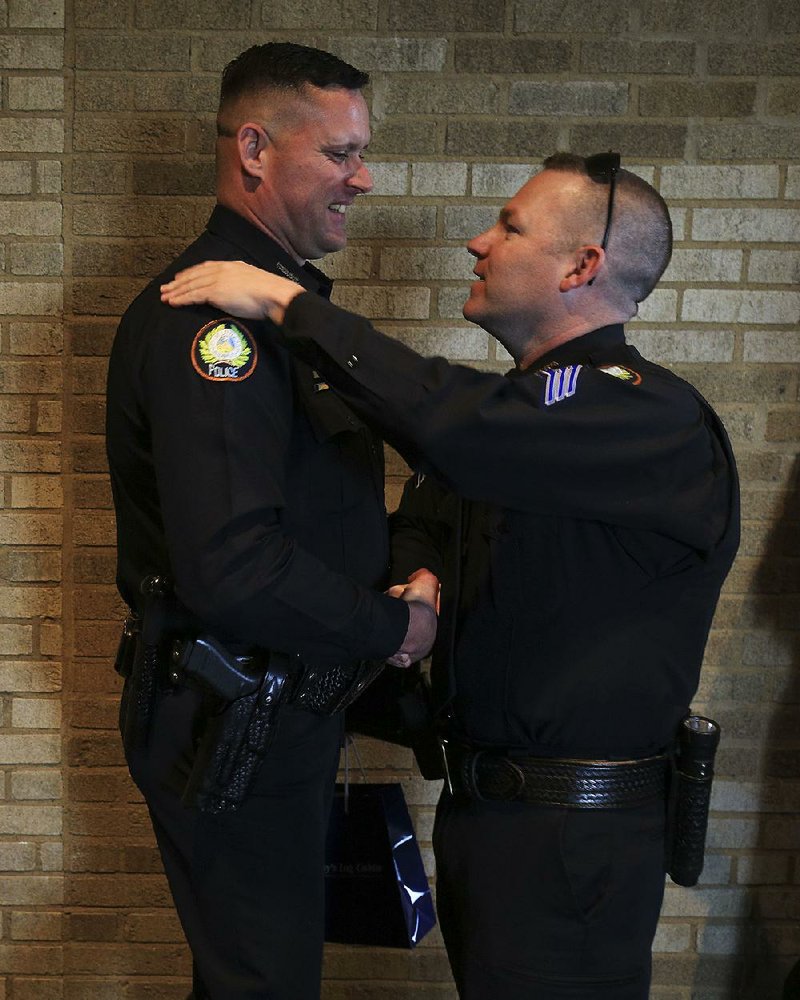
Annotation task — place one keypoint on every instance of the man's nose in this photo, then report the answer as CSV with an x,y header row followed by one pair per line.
x,y
361,179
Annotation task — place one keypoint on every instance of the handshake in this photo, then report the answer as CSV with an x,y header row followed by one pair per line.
x,y
422,595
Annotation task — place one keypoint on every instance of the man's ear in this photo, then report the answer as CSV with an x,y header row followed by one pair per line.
x,y
584,267
251,140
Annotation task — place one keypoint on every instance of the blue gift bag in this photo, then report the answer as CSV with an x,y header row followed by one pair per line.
x,y
376,890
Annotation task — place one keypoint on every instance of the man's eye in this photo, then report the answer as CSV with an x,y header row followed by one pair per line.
x,y
339,155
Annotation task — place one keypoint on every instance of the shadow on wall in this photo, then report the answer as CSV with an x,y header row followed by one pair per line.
x,y
770,941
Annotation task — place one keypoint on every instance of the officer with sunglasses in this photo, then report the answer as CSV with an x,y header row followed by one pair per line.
x,y
581,513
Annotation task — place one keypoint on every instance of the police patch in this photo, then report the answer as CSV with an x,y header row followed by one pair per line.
x,y
224,351
620,371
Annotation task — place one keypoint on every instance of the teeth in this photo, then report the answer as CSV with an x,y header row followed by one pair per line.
x,y
337,208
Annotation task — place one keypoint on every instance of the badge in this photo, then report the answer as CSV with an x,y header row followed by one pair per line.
x,y
620,371
224,351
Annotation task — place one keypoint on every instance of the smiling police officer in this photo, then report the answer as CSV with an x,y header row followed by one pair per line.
x,y
251,535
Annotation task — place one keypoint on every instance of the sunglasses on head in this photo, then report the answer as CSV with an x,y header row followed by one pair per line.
x,y
603,169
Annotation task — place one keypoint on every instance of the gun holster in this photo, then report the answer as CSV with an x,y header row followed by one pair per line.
x,y
236,738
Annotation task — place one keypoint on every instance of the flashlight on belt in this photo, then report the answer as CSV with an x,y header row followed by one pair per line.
x,y
698,739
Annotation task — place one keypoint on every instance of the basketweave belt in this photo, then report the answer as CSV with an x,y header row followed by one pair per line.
x,y
579,784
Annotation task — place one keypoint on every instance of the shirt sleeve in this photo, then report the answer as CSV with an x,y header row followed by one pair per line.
x,y
219,450
639,456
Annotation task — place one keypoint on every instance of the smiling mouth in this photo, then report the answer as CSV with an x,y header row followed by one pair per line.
x,y
337,207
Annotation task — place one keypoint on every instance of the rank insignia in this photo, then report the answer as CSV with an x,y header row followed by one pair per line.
x,y
561,383
224,351
620,371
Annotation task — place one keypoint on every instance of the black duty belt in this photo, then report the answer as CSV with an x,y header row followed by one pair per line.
x,y
579,784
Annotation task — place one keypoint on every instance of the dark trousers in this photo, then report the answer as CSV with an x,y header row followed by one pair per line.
x,y
248,885
540,903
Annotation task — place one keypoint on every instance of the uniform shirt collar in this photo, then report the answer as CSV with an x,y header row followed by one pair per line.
x,y
585,349
266,253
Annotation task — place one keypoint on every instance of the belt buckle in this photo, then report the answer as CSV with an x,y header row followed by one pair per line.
x,y
515,788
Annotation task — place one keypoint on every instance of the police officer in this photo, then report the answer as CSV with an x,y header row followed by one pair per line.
x,y
582,513
249,498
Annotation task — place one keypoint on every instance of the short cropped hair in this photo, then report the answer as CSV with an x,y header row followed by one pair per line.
x,y
640,239
283,66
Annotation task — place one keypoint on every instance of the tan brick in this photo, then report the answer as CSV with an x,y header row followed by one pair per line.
x,y
30,297
22,218
418,263
505,138
38,926
352,262
29,455
743,142
390,222
15,415
51,857
92,493
752,59
144,218
103,296
48,416
500,180
101,13
15,640
28,93
17,857
721,306
707,182
704,266
610,18
125,51
35,713
36,258
512,55
31,52
669,346
396,95
35,14
711,100
448,15
34,988
622,55
644,140
153,927
48,177
24,135
27,676
36,491
41,749
29,565
438,179
100,175
661,306
320,13
16,177
783,425
406,138
774,267
585,98
457,343
161,177
383,302
143,134
390,55
28,528
103,92
462,222
30,602
772,346
40,785
50,639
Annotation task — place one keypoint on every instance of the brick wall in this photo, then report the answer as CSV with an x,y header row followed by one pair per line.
x,y
106,111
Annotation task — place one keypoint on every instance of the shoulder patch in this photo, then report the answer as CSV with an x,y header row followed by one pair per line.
x,y
620,371
224,351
